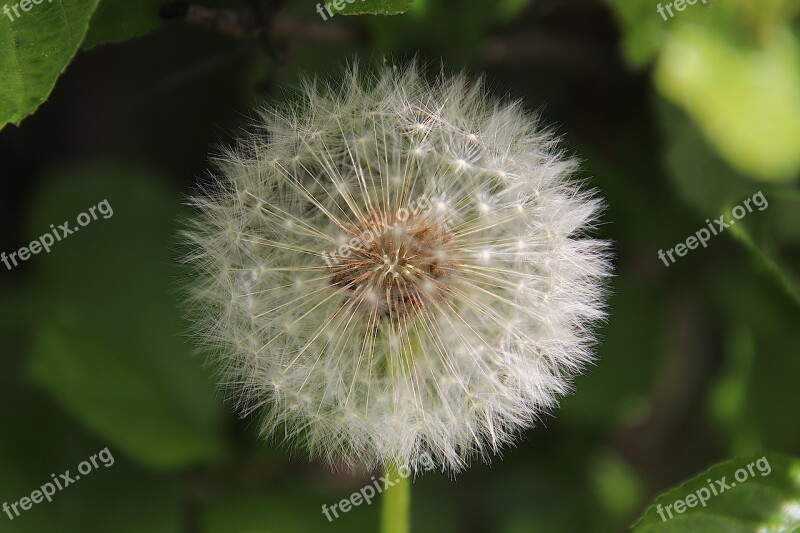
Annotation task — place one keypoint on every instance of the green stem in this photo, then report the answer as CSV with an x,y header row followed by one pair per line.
x,y
396,504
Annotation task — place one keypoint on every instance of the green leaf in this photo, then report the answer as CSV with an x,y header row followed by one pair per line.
x,y
35,48
369,7
108,345
122,395
119,20
768,499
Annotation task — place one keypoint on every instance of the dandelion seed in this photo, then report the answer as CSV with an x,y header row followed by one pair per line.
x,y
382,299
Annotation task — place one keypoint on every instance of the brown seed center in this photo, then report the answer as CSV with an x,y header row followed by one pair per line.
x,y
394,267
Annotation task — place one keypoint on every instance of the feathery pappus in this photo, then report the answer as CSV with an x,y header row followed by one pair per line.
x,y
392,269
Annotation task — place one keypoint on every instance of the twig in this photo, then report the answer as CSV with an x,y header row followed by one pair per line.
x,y
545,49
193,72
243,25
234,23
281,36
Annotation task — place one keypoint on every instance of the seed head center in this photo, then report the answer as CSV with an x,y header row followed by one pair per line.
x,y
394,267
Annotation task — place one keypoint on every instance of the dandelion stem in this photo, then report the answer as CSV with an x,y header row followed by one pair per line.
x,y
396,505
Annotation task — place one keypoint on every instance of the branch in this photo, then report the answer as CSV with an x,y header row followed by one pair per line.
x,y
243,25
280,36
546,49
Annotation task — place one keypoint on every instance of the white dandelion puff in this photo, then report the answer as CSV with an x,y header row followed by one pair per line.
x,y
394,271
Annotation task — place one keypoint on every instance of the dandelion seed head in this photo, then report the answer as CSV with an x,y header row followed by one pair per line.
x,y
391,270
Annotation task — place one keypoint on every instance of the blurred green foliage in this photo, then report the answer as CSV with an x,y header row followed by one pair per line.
x,y
153,402
677,121
733,66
